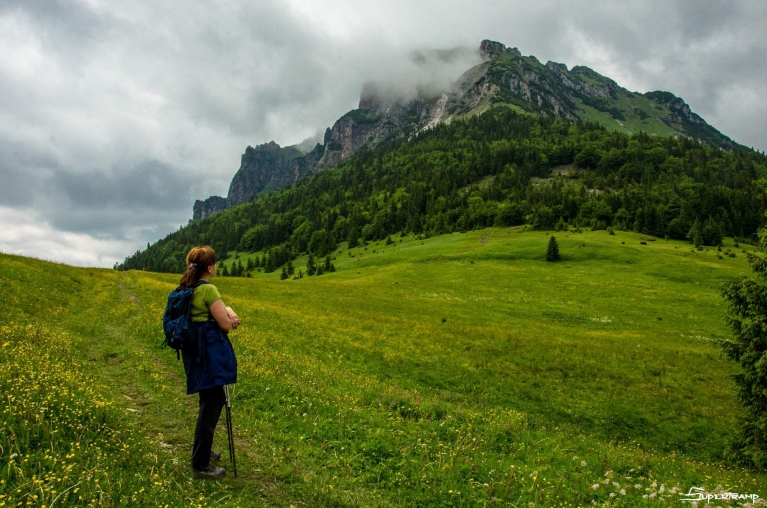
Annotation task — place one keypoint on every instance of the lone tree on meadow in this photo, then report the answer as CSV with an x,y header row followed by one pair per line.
x,y
552,253
747,318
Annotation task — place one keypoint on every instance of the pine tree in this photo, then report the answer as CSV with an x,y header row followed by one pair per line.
x,y
291,268
311,267
712,232
270,267
696,234
225,271
552,253
250,264
327,264
746,317
320,271
353,238
284,274
465,221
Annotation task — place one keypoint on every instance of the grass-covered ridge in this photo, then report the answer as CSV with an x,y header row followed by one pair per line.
x,y
460,370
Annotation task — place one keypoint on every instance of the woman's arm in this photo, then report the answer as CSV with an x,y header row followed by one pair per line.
x,y
224,316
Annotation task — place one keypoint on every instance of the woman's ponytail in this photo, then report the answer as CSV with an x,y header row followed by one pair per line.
x,y
197,262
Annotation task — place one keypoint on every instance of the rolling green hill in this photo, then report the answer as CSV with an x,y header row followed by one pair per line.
x,y
458,370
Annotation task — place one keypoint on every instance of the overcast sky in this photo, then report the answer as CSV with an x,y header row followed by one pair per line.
x,y
116,116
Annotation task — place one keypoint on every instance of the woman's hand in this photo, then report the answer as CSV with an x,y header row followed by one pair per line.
x,y
234,318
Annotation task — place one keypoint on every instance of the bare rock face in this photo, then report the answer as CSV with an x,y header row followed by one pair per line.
x,y
263,168
213,204
680,111
491,49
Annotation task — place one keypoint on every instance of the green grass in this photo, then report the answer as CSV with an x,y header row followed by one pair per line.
x,y
461,370
633,122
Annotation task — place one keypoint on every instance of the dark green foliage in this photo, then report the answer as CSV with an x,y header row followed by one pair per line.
x,y
270,263
712,232
311,266
588,158
509,214
478,173
696,234
327,265
353,238
284,274
747,319
544,218
291,268
552,252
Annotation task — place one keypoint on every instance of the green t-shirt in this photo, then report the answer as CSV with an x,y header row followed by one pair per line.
x,y
202,299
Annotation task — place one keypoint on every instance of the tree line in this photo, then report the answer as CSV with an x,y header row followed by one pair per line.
x,y
497,169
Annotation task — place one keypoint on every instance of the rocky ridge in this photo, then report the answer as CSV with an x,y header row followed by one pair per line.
x,y
504,78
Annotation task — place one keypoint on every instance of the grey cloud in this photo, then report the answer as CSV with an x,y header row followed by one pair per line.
x,y
148,184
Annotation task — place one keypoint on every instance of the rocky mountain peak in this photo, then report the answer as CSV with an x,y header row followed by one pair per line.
x,y
491,49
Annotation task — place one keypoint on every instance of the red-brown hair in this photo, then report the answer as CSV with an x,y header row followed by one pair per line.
x,y
197,262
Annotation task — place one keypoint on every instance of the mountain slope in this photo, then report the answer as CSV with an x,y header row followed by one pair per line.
x,y
504,78
499,168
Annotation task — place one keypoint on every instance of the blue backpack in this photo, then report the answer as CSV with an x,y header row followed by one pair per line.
x,y
177,324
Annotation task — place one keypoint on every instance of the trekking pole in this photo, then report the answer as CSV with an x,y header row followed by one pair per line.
x,y
230,431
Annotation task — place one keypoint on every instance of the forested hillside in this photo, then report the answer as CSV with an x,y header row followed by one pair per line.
x,y
500,168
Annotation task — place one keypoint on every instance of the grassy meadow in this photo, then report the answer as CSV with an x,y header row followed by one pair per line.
x,y
460,370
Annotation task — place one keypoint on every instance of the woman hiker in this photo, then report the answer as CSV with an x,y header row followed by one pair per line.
x,y
210,369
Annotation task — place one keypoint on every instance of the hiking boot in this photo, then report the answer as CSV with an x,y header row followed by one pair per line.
x,y
210,472
215,456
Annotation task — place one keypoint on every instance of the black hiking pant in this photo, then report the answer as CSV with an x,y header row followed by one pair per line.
x,y
212,402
